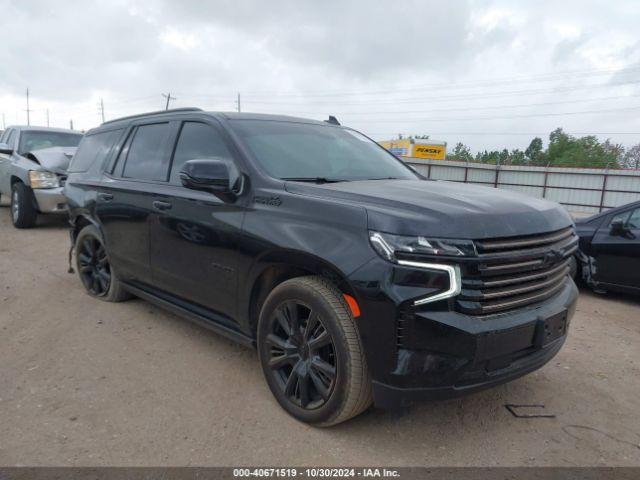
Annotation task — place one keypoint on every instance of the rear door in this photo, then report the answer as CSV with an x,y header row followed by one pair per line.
x,y
618,256
194,235
125,199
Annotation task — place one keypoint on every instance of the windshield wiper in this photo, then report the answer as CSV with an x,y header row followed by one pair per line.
x,y
314,179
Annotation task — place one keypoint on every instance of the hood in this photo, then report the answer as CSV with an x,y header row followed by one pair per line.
x,y
53,159
443,209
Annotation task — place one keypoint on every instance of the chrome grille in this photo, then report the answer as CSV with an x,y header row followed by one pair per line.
x,y
513,272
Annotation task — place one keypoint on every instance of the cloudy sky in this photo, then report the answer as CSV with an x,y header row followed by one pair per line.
x,y
491,74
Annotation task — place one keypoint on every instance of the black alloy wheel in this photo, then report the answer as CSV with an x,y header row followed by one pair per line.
x,y
302,355
93,266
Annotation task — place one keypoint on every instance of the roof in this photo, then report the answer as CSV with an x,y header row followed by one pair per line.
x,y
35,128
266,116
224,115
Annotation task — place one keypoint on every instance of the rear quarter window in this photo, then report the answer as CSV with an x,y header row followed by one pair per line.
x,y
93,148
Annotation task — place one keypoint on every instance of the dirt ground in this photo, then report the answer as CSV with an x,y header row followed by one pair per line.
x,y
88,383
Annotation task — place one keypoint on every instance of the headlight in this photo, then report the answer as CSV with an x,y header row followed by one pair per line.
x,y
389,246
43,179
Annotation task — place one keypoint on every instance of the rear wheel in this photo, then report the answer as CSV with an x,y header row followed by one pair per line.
x,y
23,209
311,353
94,269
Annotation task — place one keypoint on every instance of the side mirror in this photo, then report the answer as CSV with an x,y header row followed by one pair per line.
x,y
6,149
618,227
216,175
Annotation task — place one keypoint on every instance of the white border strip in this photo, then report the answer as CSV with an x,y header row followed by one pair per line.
x,y
455,284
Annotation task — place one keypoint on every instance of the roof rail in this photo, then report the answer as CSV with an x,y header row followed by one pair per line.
x,y
157,112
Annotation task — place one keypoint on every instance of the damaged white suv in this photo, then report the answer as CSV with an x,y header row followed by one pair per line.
x,y
33,167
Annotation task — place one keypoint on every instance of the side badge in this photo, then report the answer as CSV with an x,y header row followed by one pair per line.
x,y
273,201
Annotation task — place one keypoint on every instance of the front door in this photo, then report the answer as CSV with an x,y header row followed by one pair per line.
x,y
618,255
194,235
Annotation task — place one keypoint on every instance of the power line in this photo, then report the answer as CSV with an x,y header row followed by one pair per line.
x,y
466,109
436,86
439,98
507,117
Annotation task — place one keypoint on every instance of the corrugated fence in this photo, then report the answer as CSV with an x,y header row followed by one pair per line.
x,y
578,189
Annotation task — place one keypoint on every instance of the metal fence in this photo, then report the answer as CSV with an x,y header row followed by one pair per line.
x,y
585,190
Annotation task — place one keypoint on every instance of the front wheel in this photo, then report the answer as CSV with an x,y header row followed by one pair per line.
x,y
311,354
23,210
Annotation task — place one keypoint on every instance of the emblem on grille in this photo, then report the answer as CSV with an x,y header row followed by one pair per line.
x,y
553,256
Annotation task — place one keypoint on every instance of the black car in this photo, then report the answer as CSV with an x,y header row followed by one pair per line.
x,y
357,280
609,256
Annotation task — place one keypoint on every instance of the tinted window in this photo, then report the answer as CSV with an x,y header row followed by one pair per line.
x,y
197,140
634,219
33,140
147,159
304,150
624,216
93,148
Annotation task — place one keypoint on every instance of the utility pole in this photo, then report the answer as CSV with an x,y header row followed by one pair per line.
x,y
28,109
101,109
71,124
4,124
238,102
169,98
47,117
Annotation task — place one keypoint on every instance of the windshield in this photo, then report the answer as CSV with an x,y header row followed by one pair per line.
x,y
33,140
302,151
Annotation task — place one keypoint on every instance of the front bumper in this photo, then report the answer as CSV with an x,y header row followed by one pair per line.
x,y
437,352
50,200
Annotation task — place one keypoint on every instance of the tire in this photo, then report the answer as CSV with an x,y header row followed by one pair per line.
x,y
311,353
23,209
94,270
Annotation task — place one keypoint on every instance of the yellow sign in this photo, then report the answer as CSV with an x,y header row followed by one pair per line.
x,y
433,152
406,147
401,148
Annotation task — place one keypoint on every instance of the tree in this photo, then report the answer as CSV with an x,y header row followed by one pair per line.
x,y
567,151
614,151
534,152
632,157
461,153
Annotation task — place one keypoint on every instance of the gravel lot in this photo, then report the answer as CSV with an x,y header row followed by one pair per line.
x,y
88,383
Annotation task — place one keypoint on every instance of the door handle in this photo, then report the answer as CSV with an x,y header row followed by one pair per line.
x,y
158,205
107,197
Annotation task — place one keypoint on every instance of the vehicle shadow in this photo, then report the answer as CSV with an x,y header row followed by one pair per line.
x,y
620,297
51,221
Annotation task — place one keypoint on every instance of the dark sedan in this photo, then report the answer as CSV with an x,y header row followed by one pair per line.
x,y
609,254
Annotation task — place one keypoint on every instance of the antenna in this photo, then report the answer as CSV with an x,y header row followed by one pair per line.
x,y
332,120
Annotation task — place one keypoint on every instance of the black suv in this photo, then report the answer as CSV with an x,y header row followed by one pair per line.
x,y
357,280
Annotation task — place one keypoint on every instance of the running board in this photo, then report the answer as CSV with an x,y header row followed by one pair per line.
x,y
203,321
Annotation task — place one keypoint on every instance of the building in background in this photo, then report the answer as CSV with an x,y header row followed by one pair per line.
x,y
416,148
